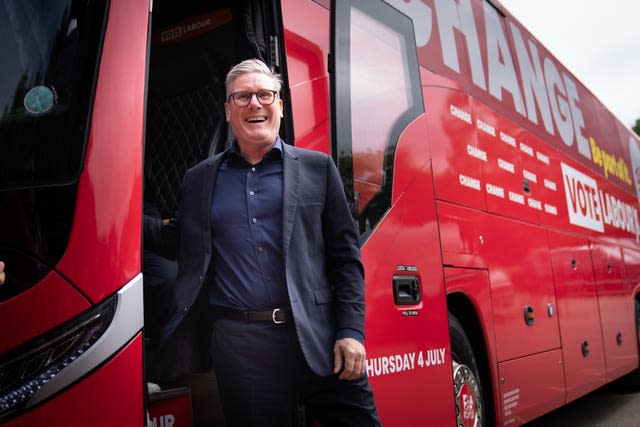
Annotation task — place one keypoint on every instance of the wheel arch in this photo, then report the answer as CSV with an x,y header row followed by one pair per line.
x,y
460,306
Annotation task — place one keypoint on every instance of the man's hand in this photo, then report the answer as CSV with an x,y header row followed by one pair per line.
x,y
349,356
2,275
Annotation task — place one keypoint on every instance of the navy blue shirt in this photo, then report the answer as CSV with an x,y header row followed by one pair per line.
x,y
246,219
246,223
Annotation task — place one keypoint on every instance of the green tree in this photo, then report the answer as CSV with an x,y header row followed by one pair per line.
x,y
636,127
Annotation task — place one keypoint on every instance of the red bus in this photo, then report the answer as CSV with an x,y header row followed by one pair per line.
x,y
496,197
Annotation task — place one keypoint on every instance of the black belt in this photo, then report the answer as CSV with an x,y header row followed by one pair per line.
x,y
277,315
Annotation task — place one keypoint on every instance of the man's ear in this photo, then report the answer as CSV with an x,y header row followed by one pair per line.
x,y
226,111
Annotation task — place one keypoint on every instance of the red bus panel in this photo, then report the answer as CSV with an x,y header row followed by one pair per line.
x,y
617,316
530,386
577,309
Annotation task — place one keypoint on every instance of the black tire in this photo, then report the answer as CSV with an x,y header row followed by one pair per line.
x,y
466,379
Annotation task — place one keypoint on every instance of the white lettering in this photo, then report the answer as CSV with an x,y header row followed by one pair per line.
x,y
511,393
508,166
559,105
576,115
508,139
469,182
538,87
164,421
486,127
511,405
500,69
583,203
397,363
511,399
529,175
551,185
535,204
460,113
533,82
197,25
516,197
542,157
494,190
619,214
526,149
432,357
550,209
477,153
170,34
459,16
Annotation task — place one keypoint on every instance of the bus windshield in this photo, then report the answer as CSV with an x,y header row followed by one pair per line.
x,y
49,52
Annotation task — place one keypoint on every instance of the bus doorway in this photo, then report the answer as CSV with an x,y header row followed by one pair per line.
x,y
193,44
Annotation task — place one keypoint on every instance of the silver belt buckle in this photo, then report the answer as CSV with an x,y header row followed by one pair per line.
x,y
273,317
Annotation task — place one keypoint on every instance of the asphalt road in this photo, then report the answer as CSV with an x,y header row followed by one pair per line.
x,y
616,405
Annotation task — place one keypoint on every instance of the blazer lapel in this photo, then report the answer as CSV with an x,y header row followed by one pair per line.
x,y
291,177
208,184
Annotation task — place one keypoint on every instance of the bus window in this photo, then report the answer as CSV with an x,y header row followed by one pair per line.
x,y
50,50
377,93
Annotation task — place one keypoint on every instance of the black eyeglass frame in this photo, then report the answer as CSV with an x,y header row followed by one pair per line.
x,y
251,94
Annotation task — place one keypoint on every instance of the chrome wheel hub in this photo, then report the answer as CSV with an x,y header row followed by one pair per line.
x,y
467,397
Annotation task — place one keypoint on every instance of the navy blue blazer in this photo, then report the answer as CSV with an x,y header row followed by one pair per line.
x,y
325,278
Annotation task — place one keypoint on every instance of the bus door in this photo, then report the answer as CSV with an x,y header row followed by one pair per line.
x,y
193,44
378,141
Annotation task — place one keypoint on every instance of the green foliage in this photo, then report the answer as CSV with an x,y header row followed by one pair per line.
x,y
636,127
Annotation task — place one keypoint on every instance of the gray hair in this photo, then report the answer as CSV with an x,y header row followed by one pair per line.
x,y
251,66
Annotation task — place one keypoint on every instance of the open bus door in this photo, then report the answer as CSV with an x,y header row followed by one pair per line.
x,y
379,143
193,44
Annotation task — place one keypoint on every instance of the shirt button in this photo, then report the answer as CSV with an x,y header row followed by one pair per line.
x,y
253,169
252,192
259,248
268,278
254,220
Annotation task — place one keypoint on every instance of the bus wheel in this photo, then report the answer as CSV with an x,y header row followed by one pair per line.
x,y
466,379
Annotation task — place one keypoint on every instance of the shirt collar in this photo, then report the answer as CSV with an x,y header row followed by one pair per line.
x,y
276,149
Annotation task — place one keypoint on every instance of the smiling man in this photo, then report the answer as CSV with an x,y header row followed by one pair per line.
x,y
269,271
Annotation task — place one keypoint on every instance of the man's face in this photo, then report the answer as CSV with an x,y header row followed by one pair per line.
x,y
255,126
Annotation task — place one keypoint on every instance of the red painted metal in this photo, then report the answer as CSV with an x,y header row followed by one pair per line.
x,y
32,313
615,300
530,386
104,249
577,310
307,48
408,237
452,136
109,201
171,408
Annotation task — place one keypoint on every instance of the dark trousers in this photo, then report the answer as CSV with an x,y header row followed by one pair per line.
x,y
263,376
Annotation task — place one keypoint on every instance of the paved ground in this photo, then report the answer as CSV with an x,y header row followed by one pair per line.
x,y
612,406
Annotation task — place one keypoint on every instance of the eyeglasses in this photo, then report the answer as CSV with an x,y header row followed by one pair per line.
x,y
264,97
